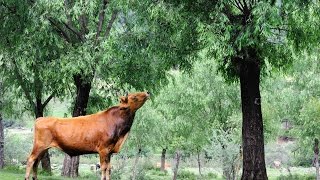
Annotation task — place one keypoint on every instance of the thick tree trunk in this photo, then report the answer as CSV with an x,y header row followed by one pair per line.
x,y
316,157
177,161
163,159
252,125
1,143
199,162
135,165
83,84
45,161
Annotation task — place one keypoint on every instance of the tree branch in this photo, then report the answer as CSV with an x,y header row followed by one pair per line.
x,y
83,21
37,84
101,18
48,99
109,26
236,5
59,30
74,31
239,5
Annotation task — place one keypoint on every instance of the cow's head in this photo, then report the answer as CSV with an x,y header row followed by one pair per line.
x,y
133,101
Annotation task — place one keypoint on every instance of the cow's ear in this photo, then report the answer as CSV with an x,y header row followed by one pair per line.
x,y
124,107
123,99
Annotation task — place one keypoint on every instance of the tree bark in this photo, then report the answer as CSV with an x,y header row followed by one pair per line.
x,y
83,85
134,172
177,160
316,157
1,143
45,160
252,125
163,159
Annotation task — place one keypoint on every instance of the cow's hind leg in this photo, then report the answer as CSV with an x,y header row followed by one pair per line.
x,y
35,168
36,164
31,163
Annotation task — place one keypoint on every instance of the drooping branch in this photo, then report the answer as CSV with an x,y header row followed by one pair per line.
x,y
23,86
109,26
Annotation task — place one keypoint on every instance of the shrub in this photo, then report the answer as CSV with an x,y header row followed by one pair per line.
x,y
186,175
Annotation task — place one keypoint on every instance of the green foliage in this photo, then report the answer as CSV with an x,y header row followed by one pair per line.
x,y
193,104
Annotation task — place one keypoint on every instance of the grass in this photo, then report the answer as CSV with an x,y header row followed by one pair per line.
x,y
16,173
13,172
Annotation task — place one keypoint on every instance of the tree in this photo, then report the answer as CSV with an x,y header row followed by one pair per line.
x,y
31,59
247,38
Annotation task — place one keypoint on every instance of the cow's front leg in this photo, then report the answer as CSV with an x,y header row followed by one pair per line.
x,y
105,165
108,170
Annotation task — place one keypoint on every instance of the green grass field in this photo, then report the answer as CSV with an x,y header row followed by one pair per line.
x,y
13,173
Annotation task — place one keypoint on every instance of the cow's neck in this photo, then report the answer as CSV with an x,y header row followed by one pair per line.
x,y
126,123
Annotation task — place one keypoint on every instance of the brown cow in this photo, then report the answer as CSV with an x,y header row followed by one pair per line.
x,y
103,133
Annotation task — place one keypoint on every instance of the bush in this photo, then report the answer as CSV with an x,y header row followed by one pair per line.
x,y
297,177
186,175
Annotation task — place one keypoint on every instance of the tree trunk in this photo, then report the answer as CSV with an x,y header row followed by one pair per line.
x,y
83,85
45,161
1,143
177,160
199,162
316,157
163,159
252,124
134,172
